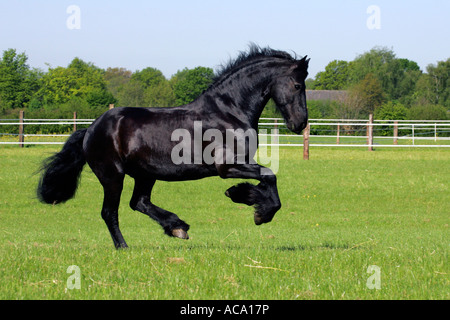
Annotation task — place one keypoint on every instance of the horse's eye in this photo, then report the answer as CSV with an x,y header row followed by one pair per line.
x,y
297,87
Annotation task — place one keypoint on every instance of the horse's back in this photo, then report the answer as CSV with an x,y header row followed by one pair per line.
x,y
138,141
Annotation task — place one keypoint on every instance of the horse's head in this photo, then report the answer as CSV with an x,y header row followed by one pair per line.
x,y
288,92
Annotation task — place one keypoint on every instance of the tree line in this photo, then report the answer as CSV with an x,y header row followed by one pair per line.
x,y
376,82
88,90
392,88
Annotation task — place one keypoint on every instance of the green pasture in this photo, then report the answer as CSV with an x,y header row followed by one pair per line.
x,y
342,211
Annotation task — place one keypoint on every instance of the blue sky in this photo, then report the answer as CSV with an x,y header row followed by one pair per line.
x,y
170,34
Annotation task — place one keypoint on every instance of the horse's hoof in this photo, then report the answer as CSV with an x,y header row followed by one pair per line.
x,y
122,246
258,219
180,233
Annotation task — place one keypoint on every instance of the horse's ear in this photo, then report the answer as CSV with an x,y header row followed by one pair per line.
x,y
301,64
304,62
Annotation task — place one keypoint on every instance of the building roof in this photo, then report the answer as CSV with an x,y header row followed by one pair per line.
x,y
323,95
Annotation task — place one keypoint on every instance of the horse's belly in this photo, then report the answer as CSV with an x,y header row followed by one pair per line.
x,y
171,171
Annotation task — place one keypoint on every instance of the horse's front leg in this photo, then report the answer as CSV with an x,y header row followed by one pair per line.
x,y
264,196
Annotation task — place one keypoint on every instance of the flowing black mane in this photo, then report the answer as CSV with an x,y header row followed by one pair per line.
x,y
255,52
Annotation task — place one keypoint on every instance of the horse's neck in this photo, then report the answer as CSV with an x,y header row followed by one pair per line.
x,y
243,97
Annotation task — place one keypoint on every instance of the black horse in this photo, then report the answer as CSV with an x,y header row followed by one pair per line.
x,y
141,143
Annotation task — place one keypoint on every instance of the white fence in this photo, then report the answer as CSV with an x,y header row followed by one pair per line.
x,y
273,131
344,133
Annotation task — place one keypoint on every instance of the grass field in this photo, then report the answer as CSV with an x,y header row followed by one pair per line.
x,y
343,211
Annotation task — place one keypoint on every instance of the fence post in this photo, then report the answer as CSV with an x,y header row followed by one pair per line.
x,y
435,132
274,138
111,106
21,137
338,134
370,132
306,142
74,121
395,132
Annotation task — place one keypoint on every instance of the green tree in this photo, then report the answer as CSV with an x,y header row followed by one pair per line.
x,y
310,84
188,84
157,90
149,77
160,95
434,86
427,112
17,81
322,109
335,76
79,79
145,88
100,97
131,94
391,111
57,86
116,78
3,106
405,87
397,77
375,61
363,98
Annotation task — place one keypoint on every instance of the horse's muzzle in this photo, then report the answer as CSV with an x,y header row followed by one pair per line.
x,y
296,128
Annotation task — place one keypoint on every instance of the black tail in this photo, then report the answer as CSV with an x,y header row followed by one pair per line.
x,y
61,172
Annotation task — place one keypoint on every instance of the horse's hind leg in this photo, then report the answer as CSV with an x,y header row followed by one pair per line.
x,y
110,214
140,201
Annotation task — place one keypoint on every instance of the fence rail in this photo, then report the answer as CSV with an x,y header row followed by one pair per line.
x,y
273,132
